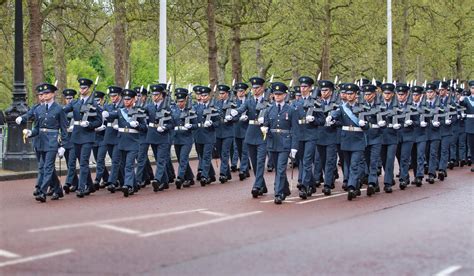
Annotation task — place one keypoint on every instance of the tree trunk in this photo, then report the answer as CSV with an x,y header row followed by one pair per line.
x,y
262,66
222,63
34,41
325,51
212,44
236,41
295,73
60,70
119,42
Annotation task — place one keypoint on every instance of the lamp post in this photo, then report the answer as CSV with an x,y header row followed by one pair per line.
x,y
389,40
19,156
162,55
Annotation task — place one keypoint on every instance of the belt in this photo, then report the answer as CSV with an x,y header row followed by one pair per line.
x,y
48,130
302,121
153,125
128,130
390,126
77,123
351,128
374,126
109,125
253,122
200,125
277,130
469,115
180,128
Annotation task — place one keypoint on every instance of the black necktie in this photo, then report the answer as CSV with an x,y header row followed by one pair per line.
x,y
279,108
46,107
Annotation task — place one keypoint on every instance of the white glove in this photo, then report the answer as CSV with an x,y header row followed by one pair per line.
x,y
115,127
70,128
329,119
234,112
293,153
84,124
447,121
397,126
382,123
461,99
133,124
207,123
27,132
244,118
408,122
464,115
309,118
105,114
160,129
436,124
423,124
188,126
228,118
362,123
264,129
260,120
61,151
101,128
18,120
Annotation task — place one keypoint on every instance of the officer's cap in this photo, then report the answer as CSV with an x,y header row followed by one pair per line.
x,y
306,80
256,82
326,84
417,89
388,87
369,88
351,88
430,87
223,88
204,90
180,93
139,90
68,92
127,94
279,88
297,90
471,83
459,90
241,86
114,90
156,89
402,88
83,82
99,94
45,88
378,83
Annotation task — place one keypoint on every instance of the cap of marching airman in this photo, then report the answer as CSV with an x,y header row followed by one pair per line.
x,y
84,83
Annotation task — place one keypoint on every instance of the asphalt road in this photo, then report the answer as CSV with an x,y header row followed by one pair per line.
x,y
221,230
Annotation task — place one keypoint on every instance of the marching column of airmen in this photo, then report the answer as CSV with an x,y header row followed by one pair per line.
x,y
362,127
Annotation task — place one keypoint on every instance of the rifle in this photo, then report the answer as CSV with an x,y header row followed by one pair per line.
x,y
89,104
262,106
164,115
137,110
367,111
211,111
190,112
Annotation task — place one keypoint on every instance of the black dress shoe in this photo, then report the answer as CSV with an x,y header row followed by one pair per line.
x,y
469,162
264,189
79,194
186,184
155,185
211,179
441,175
111,188
403,184
430,179
344,185
317,183
50,192
242,176
136,188
377,188
36,192
247,174
370,189
418,181
303,194
255,192
203,181
102,185
333,186
313,189
358,192
222,179
451,165
351,194
167,185
278,200
162,186
125,191
178,183
326,191
198,176
41,197
55,196
462,163
73,188
387,189
191,182
233,168
270,169
66,188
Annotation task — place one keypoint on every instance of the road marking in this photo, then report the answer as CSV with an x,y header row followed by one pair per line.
x,y
217,214
8,254
448,270
37,257
119,229
93,223
198,224
326,197
271,200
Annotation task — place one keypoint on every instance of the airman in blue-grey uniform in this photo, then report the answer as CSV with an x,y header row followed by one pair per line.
x,y
374,137
158,134
457,151
468,103
144,172
421,137
445,128
100,148
50,132
389,135
240,129
111,137
128,135
69,155
432,131
254,136
185,121
280,128
225,130
353,138
86,119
